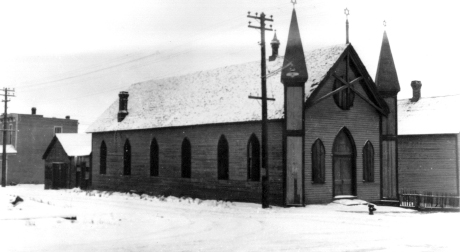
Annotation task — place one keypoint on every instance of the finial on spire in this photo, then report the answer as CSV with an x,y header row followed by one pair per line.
x,y
384,23
347,12
294,2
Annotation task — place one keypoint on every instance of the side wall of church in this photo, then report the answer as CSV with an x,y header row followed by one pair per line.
x,y
203,182
324,120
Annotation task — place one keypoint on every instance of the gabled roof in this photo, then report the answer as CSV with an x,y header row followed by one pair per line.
x,y
429,115
74,144
386,78
373,97
212,96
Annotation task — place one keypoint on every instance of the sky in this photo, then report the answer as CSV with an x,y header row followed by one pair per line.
x,y
74,57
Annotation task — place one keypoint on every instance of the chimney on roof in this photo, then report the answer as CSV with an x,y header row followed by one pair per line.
x,y
416,90
34,111
123,108
67,117
275,45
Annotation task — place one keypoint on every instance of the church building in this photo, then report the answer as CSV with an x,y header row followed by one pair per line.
x,y
332,130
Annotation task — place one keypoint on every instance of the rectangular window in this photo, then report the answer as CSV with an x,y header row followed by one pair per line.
x,y
57,129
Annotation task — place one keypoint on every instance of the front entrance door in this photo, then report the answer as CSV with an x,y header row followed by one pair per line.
x,y
343,162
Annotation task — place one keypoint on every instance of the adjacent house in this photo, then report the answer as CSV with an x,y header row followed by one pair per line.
x,y
68,161
331,130
428,143
30,135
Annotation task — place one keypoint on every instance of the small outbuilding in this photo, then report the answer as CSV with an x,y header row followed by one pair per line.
x,y
68,161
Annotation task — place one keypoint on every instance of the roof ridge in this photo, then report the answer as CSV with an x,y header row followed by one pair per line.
x,y
430,97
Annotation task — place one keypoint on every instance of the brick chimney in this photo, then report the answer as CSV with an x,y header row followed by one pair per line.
x,y
416,90
123,109
67,117
34,111
275,45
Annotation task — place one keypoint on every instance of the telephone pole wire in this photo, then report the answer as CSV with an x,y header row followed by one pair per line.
x,y
265,178
6,90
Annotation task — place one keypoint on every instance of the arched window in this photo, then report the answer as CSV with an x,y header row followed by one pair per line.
x,y
368,162
318,159
154,160
344,98
186,171
103,159
253,158
127,158
222,158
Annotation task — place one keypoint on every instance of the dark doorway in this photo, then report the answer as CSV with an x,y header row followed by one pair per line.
x,y
59,175
344,164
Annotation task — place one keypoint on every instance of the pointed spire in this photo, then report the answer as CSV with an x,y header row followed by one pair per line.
x,y
275,40
386,78
294,55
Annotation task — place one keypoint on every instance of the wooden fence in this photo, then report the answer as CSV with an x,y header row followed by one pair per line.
x,y
428,200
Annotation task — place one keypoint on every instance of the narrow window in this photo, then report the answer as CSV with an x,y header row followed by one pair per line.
x,y
222,158
154,168
103,159
186,171
127,158
318,157
253,154
368,162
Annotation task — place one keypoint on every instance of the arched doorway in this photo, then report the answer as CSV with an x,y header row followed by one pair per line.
x,y
344,159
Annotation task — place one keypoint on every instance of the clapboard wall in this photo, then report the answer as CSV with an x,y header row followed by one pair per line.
x,y
428,163
203,182
324,120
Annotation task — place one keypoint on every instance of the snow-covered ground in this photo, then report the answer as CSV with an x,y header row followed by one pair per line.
x,y
128,222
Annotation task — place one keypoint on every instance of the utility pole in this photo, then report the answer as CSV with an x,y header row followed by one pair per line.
x,y
265,178
6,90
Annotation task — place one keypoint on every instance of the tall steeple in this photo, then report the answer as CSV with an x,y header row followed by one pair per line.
x,y
386,78
294,55
293,76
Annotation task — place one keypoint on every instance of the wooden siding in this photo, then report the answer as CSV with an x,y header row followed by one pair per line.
x,y
324,120
204,181
428,163
389,123
57,155
389,172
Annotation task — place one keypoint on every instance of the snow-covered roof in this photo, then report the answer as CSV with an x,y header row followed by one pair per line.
x,y
212,96
429,115
9,149
75,144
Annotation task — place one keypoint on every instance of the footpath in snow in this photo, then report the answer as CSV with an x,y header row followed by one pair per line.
x,y
107,221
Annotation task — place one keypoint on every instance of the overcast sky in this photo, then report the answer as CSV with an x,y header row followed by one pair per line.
x,y
73,57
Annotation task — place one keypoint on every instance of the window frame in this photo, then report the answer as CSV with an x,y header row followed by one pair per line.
x,y
127,158
223,158
154,158
368,162
186,158
318,166
103,158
